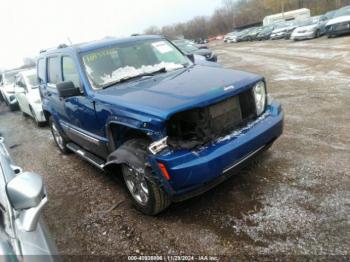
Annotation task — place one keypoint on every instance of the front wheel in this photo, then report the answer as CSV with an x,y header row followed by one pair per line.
x,y
147,194
60,139
317,34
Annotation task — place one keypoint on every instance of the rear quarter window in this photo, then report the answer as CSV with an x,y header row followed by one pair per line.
x,y
42,70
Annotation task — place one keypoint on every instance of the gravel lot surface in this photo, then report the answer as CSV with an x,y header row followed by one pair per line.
x,y
293,200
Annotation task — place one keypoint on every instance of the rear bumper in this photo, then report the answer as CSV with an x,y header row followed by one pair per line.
x,y
197,171
279,36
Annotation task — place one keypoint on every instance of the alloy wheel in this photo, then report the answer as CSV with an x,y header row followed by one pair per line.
x,y
137,184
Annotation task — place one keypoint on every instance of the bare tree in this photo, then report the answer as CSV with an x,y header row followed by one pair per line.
x,y
236,13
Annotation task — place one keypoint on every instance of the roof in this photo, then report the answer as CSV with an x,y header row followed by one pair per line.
x,y
84,47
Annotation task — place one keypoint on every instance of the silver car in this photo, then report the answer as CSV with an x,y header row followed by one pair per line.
x,y
23,235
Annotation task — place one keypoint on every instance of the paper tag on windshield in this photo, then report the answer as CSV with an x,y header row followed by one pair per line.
x,y
162,47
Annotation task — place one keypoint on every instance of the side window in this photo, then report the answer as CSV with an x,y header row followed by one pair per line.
x,y
41,70
69,71
53,72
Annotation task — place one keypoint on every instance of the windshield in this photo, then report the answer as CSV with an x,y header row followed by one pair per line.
x,y
343,11
186,46
32,80
267,29
9,78
116,63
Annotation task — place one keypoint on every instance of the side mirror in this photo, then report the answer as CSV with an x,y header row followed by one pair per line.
x,y
67,89
27,195
191,57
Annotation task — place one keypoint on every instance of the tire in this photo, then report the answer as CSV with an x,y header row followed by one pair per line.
x,y
59,138
155,200
13,107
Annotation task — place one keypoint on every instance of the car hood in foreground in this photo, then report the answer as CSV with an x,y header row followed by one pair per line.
x,y
168,93
337,20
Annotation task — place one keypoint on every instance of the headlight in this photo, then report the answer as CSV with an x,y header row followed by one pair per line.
x,y
158,146
259,91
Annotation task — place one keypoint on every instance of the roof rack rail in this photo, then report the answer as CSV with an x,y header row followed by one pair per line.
x,y
53,48
62,46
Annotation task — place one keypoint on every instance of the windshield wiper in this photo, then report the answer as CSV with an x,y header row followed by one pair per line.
x,y
125,79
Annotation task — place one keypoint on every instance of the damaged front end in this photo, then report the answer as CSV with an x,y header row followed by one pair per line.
x,y
197,127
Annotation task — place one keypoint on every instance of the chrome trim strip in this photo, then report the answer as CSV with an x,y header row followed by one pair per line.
x,y
243,159
81,134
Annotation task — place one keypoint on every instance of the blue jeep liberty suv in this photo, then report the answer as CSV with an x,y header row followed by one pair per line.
x,y
171,126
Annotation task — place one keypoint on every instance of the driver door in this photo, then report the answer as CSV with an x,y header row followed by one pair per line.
x,y
83,127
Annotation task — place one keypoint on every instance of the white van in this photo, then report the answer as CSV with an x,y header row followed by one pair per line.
x,y
298,14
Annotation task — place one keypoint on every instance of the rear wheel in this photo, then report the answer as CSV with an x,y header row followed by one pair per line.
x,y
145,191
60,139
317,34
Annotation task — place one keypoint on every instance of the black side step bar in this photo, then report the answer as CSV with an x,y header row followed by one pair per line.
x,y
96,161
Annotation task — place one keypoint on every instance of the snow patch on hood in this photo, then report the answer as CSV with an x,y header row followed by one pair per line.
x,y
337,20
130,71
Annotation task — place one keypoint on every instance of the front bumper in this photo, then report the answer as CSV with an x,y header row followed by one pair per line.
x,y
278,36
302,36
191,171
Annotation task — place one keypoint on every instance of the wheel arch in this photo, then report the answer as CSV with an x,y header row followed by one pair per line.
x,y
127,153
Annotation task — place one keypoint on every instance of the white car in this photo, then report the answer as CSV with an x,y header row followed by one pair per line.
x,y
231,37
7,89
28,96
313,27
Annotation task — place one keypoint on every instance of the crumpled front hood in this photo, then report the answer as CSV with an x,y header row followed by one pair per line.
x,y
166,94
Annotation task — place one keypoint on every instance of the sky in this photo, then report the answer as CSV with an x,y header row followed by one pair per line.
x,y
27,26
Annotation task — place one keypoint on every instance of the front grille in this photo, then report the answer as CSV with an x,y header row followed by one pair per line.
x,y
232,113
202,125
